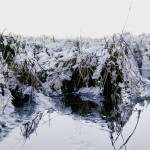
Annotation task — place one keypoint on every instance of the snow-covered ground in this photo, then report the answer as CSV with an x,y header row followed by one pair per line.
x,y
35,69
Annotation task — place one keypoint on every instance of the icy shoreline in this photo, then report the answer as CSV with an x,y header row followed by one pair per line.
x,y
34,69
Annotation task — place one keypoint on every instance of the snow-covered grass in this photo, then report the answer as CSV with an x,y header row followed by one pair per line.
x,y
34,69
52,66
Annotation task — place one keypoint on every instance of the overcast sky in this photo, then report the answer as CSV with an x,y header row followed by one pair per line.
x,y
70,18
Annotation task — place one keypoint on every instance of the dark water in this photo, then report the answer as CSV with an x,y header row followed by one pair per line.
x,y
82,125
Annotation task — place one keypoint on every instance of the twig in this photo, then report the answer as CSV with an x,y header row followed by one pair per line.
x,y
127,16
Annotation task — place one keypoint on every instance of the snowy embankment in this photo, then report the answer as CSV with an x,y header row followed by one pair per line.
x,y
34,69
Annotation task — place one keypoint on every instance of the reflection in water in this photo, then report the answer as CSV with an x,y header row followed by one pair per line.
x,y
78,106
119,133
11,118
107,113
26,110
28,128
114,115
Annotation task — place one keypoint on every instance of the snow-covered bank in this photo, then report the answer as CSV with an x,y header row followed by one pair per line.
x,y
35,69
48,64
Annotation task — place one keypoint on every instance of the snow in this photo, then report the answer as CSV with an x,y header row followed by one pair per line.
x,y
59,58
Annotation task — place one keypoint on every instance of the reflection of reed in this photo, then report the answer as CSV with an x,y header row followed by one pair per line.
x,y
139,112
119,133
28,128
112,111
78,105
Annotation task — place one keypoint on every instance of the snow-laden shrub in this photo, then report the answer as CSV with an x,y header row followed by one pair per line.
x,y
67,66
84,72
112,67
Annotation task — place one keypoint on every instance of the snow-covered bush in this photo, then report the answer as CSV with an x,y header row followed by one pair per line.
x,y
104,75
48,66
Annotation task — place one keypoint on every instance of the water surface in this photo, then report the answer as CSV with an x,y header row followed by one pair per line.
x,y
65,129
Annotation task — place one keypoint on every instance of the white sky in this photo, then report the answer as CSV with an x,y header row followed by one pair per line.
x,y
70,18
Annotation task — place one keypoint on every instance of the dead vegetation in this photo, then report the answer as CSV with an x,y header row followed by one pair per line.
x,y
115,69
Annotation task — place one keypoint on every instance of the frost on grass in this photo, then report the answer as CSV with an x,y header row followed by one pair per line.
x,y
35,69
